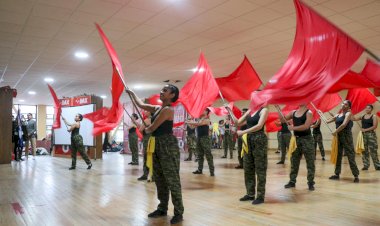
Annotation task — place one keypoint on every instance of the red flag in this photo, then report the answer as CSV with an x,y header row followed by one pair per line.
x,y
57,109
372,72
231,85
222,111
106,119
378,113
200,91
270,124
351,80
321,55
139,135
325,104
154,99
360,98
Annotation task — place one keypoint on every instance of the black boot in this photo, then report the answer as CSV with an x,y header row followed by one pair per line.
x,y
176,219
157,213
290,185
197,172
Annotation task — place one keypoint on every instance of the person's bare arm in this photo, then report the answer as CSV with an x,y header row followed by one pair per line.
x,y
306,125
140,103
344,124
202,122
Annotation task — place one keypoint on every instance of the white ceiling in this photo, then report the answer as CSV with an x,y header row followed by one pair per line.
x,y
156,40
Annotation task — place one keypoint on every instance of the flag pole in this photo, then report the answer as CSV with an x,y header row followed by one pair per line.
x,y
131,117
321,115
134,104
372,55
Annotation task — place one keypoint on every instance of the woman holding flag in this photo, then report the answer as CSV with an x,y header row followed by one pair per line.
x,y
343,132
302,120
255,155
369,125
77,142
164,151
133,140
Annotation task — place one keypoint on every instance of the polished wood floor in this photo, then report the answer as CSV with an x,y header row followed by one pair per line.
x,y
45,192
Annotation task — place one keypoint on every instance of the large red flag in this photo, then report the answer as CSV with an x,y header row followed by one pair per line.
x,y
360,98
57,109
372,72
321,55
200,91
244,76
106,119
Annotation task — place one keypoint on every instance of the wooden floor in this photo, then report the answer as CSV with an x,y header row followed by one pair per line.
x,y
45,192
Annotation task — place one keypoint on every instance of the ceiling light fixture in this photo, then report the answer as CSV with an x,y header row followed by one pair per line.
x,y
103,96
197,69
81,55
49,80
22,100
32,92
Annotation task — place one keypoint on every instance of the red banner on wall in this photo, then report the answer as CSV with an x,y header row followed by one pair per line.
x,y
75,101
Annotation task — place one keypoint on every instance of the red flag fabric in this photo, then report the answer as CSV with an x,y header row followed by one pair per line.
x,y
321,55
231,85
378,113
351,80
57,109
154,99
106,119
360,98
222,111
200,91
270,124
372,72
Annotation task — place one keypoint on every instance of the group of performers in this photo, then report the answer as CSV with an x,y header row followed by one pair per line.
x,y
157,130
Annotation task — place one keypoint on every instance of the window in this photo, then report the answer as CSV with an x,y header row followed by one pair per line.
x,y
25,109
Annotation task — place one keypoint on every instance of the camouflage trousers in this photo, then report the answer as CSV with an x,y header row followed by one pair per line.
x,y
227,143
285,140
255,164
305,146
145,146
204,149
318,141
240,146
370,148
133,146
166,163
192,145
279,140
77,146
346,142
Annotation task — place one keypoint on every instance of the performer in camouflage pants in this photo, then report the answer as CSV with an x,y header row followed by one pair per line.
x,y
77,142
344,125
165,156
302,120
369,125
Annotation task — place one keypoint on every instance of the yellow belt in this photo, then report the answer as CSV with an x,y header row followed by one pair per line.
x,y
150,151
244,149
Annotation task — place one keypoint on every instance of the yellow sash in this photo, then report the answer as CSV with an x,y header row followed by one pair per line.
x,y
292,146
334,150
150,151
359,148
244,149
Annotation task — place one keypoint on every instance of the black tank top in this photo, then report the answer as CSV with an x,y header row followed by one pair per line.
x,y
367,123
75,132
284,128
202,131
165,128
317,130
190,131
300,121
254,120
132,130
339,121
226,126
243,127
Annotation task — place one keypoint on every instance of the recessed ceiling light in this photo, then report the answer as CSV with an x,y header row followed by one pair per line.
x,y
81,55
49,80
138,86
22,100
32,92
103,96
